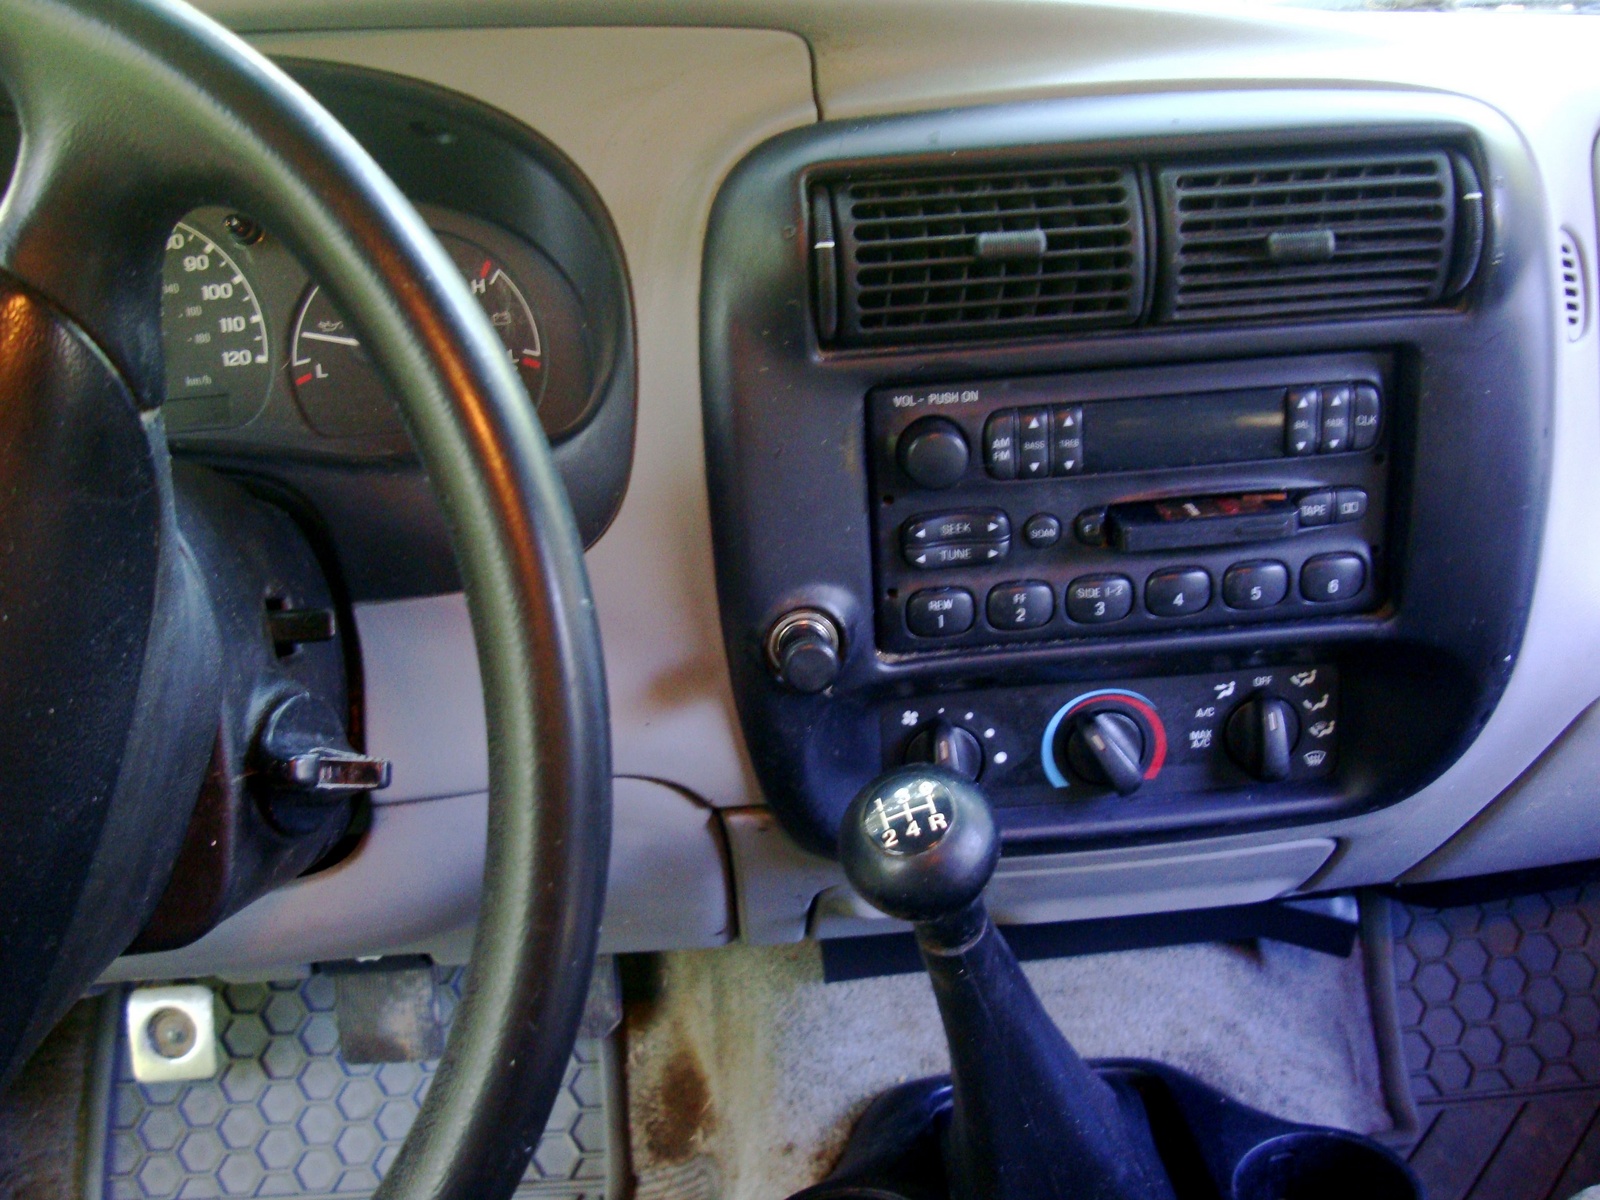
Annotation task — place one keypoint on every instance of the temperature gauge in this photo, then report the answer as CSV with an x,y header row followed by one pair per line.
x,y
340,391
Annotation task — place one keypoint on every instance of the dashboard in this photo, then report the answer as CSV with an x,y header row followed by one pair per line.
x,y
908,413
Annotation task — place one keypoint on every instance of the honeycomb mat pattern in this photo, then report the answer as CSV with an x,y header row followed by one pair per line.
x,y
1500,1025
287,1116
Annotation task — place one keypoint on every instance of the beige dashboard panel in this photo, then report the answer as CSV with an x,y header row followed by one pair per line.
x,y
655,118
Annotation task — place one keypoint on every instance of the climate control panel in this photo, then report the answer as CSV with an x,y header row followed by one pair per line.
x,y
1124,752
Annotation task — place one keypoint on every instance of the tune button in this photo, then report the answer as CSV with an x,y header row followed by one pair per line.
x,y
1026,605
1097,599
940,612
1177,592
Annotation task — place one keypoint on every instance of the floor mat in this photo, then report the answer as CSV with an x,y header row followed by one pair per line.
x,y
287,1116
746,1070
1501,1034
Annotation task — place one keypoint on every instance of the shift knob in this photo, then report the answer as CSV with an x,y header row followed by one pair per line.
x,y
919,843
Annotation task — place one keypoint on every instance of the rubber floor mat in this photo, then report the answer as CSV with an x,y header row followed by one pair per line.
x,y
1500,1024
287,1116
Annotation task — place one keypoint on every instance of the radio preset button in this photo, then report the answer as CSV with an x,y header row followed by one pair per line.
x,y
940,612
967,525
1365,416
956,554
1177,592
933,452
1316,508
1302,421
1042,531
1025,605
1331,577
1255,585
1336,405
1097,599
1349,504
1000,445
1066,448
1033,443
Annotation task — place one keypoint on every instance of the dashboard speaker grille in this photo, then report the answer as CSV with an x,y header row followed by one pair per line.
x,y
988,253
1270,239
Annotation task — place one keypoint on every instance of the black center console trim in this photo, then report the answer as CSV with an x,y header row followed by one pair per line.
x,y
1441,548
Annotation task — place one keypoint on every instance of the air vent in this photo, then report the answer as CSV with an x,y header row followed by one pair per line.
x,y
1317,237
1574,292
985,253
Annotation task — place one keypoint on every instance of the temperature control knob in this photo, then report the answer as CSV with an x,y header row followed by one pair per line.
x,y
949,746
1261,735
934,453
1108,748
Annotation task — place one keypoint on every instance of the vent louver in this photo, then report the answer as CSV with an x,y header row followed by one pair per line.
x,y
984,253
1298,237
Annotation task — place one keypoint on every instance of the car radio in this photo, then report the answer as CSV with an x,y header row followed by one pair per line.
x,y
1080,505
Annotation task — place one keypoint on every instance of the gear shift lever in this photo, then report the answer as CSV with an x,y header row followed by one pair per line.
x,y
1030,1120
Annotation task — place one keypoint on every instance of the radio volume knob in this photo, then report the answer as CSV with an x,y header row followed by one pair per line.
x,y
934,453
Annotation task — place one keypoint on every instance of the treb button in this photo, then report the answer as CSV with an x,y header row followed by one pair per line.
x,y
1066,439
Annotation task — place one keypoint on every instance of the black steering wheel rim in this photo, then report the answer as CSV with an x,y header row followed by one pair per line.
x,y
133,112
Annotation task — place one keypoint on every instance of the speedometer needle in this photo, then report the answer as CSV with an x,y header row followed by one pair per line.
x,y
329,337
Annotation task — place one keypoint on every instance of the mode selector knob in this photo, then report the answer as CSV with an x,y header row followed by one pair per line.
x,y
934,453
1261,735
949,746
803,650
1108,748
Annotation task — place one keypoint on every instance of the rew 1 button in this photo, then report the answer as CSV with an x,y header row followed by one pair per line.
x,y
1096,599
1330,577
1177,593
940,612
1021,605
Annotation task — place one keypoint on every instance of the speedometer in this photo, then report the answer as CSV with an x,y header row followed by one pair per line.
x,y
218,357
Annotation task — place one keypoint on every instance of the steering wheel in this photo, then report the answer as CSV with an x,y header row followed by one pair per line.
x,y
134,112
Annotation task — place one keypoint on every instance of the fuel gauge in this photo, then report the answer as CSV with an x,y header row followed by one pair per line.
x,y
340,391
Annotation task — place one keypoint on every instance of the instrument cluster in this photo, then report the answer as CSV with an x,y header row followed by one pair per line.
x,y
258,355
